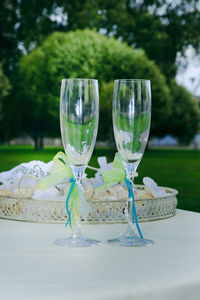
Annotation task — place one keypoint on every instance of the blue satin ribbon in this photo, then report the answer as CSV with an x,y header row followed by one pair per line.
x,y
73,181
134,213
131,195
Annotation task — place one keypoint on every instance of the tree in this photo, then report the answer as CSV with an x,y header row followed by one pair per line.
x,y
184,122
162,28
4,91
81,54
23,25
4,85
8,40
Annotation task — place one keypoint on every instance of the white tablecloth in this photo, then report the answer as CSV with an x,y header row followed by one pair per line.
x,y
32,267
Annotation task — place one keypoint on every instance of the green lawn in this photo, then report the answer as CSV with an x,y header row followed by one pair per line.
x,y
179,169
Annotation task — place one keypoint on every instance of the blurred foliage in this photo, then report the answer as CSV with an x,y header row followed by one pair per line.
x,y
162,28
185,118
4,90
105,131
4,85
83,54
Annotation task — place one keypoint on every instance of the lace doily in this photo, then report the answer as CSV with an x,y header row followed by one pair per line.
x,y
37,169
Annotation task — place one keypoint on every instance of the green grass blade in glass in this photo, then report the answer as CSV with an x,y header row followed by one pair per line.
x,y
131,123
79,116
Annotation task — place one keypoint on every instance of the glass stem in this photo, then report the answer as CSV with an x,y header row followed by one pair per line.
x,y
78,172
131,169
76,232
131,230
78,175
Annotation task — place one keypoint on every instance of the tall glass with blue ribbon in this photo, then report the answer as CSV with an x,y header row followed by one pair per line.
x,y
131,123
79,117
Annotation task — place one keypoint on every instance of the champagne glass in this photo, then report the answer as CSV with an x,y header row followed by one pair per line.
x,y
79,117
131,123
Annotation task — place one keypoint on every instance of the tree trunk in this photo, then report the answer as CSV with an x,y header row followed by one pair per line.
x,y
36,143
41,142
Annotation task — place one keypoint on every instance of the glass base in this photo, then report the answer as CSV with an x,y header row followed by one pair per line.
x,y
129,241
77,242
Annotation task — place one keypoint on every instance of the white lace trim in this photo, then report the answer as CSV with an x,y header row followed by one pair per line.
x,y
37,169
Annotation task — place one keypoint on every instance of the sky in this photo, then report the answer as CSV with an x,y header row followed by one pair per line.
x,y
190,76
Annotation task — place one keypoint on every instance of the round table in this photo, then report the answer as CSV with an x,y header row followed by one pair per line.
x,y
33,267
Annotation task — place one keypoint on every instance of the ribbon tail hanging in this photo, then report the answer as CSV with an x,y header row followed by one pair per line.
x,y
67,202
134,213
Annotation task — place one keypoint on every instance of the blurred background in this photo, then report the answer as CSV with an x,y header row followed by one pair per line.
x,y
43,41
